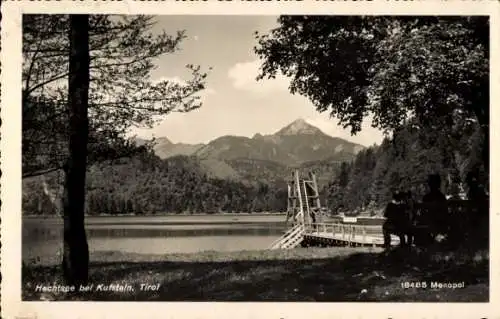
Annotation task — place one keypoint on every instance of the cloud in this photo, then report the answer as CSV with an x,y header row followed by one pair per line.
x,y
243,76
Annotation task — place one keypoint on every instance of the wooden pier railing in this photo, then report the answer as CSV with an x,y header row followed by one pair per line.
x,y
331,232
349,233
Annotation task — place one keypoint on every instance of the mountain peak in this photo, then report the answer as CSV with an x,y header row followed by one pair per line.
x,y
163,140
299,126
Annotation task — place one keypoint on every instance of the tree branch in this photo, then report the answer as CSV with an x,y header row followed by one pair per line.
x,y
40,172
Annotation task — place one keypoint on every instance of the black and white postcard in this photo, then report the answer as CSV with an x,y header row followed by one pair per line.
x,y
289,159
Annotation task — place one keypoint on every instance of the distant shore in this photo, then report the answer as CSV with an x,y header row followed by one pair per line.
x,y
360,216
169,214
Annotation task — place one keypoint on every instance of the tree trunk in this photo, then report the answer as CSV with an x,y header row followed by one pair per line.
x,y
76,253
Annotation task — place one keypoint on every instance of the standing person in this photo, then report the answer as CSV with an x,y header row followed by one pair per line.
x,y
478,212
435,211
388,226
313,218
434,194
409,220
476,191
397,220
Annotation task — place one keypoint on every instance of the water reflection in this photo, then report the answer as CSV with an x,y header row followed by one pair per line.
x,y
44,236
45,233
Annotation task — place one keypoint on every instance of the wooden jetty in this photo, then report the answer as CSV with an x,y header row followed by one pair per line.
x,y
336,234
308,229
332,234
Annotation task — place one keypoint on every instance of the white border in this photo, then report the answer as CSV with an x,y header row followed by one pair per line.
x,y
10,145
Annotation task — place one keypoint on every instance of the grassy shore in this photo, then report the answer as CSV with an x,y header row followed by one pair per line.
x,y
303,274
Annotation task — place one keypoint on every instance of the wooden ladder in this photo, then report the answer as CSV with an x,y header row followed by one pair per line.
x,y
310,199
296,210
291,239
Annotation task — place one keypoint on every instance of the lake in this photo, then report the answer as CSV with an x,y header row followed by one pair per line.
x,y
42,236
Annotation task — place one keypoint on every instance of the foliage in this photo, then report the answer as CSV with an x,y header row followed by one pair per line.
x,y
121,94
433,69
402,162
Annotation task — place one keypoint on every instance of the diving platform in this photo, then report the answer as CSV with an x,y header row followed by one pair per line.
x,y
304,213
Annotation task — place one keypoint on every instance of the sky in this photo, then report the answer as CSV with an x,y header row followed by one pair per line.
x,y
234,103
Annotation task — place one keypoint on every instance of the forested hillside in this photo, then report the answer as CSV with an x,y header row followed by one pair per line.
x,y
146,184
403,162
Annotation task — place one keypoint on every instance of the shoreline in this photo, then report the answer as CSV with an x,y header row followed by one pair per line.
x,y
162,215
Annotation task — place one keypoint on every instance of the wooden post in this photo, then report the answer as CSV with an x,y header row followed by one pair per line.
x,y
352,235
316,192
299,195
349,235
